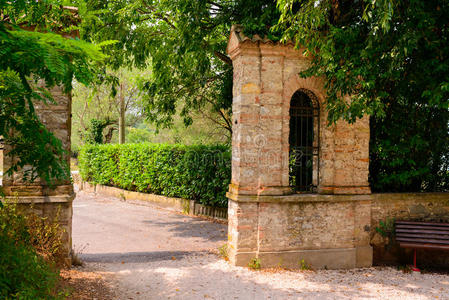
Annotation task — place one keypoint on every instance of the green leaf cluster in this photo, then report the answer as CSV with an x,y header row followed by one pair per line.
x,y
94,134
389,60
33,60
197,172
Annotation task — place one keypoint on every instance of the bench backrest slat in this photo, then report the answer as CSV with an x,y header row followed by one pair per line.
x,y
422,240
422,227
427,236
422,234
421,231
421,223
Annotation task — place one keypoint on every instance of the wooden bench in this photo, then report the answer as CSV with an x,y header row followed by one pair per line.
x,y
422,235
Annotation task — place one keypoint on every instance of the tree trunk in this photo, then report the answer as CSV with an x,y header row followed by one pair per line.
x,y
121,120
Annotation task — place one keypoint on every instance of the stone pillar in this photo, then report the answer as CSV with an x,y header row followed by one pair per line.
x,y
46,201
258,161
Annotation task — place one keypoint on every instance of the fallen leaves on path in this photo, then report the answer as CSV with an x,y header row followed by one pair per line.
x,y
82,284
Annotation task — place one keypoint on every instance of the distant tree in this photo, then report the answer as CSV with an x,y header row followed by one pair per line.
x,y
29,57
112,97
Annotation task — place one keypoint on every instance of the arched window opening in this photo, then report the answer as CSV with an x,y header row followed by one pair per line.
x,y
304,141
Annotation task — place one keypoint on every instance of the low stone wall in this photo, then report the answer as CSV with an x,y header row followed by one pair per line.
x,y
329,231
54,209
178,204
432,207
324,231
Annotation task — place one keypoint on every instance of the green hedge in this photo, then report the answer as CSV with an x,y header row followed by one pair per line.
x,y
200,172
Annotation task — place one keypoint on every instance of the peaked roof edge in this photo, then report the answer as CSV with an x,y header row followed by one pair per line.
x,y
241,38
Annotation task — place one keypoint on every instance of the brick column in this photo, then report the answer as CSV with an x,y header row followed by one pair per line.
x,y
257,146
46,201
259,164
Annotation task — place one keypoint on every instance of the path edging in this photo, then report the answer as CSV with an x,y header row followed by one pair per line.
x,y
190,207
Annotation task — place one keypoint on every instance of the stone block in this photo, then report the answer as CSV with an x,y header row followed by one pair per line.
x,y
241,259
364,257
314,259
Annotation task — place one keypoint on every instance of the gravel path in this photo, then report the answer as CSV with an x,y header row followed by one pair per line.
x,y
150,253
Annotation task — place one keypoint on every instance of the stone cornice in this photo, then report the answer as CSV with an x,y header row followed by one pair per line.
x,y
239,44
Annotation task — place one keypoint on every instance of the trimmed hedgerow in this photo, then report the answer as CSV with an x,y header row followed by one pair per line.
x,y
198,172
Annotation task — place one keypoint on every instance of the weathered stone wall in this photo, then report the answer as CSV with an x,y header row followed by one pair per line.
x,y
54,209
57,118
326,231
47,201
329,231
432,207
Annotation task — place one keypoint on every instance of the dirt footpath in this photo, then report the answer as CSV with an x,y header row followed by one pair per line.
x,y
144,252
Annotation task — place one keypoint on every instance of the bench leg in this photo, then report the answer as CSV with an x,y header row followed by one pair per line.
x,y
414,268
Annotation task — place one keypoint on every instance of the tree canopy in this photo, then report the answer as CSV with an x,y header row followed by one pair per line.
x,y
185,42
392,57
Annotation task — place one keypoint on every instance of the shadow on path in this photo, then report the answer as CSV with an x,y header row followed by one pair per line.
x,y
196,228
137,257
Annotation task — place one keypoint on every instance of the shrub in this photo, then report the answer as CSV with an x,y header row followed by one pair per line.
x,y
24,274
224,252
254,264
197,172
46,237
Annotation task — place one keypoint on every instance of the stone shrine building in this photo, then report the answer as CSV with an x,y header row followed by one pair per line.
x,y
299,188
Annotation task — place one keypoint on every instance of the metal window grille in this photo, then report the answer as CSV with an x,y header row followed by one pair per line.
x,y
304,141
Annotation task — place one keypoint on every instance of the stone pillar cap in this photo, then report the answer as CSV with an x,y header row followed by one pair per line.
x,y
238,40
